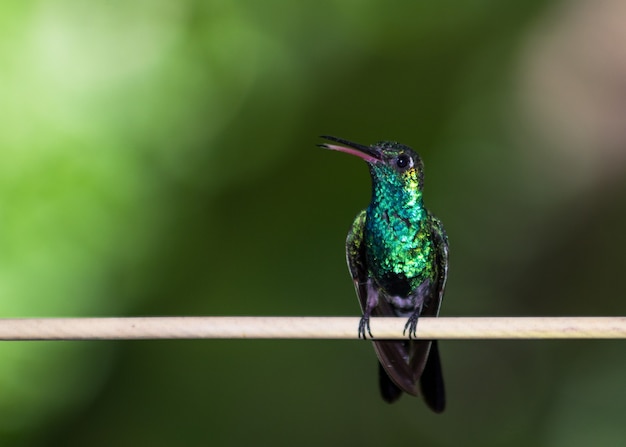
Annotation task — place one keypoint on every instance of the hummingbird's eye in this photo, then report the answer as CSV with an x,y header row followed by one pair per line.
x,y
403,161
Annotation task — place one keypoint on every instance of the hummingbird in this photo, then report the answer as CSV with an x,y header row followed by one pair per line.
x,y
397,254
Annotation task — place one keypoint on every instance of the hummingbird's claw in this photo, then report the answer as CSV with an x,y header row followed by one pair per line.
x,y
411,326
364,325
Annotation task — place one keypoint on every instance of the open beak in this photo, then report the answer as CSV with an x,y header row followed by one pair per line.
x,y
367,153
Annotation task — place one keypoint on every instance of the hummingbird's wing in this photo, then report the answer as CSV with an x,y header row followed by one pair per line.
x,y
440,240
431,381
394,356
355,256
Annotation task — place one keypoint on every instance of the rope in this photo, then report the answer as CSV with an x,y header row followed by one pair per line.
x,y
308,328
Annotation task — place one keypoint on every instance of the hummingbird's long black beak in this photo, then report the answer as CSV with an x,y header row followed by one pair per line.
x,y
367,153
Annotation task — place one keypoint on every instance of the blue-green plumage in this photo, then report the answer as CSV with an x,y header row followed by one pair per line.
x,y
397,253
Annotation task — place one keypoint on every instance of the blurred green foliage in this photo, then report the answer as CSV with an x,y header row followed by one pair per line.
x,y
157,158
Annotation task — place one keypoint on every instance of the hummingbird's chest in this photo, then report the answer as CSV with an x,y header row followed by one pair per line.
x,y
399,248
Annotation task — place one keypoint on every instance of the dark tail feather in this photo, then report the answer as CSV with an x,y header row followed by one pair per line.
x,y
431,382
388,389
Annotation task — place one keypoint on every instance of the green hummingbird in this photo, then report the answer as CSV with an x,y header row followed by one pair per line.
x,y
397,253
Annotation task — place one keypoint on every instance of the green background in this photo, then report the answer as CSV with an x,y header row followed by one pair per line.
x,y
158,158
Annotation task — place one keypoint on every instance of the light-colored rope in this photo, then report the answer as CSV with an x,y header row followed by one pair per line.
x,y
308,328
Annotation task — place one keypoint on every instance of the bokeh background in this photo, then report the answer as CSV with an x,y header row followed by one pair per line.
x,y
158,158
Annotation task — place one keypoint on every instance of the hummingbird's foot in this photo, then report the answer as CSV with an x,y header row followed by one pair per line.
x,y
364,325
411,326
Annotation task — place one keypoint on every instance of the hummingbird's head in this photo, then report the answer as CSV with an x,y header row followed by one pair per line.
x,y
387,160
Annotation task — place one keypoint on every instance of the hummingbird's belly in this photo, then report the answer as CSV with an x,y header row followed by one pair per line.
x,y
399,269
